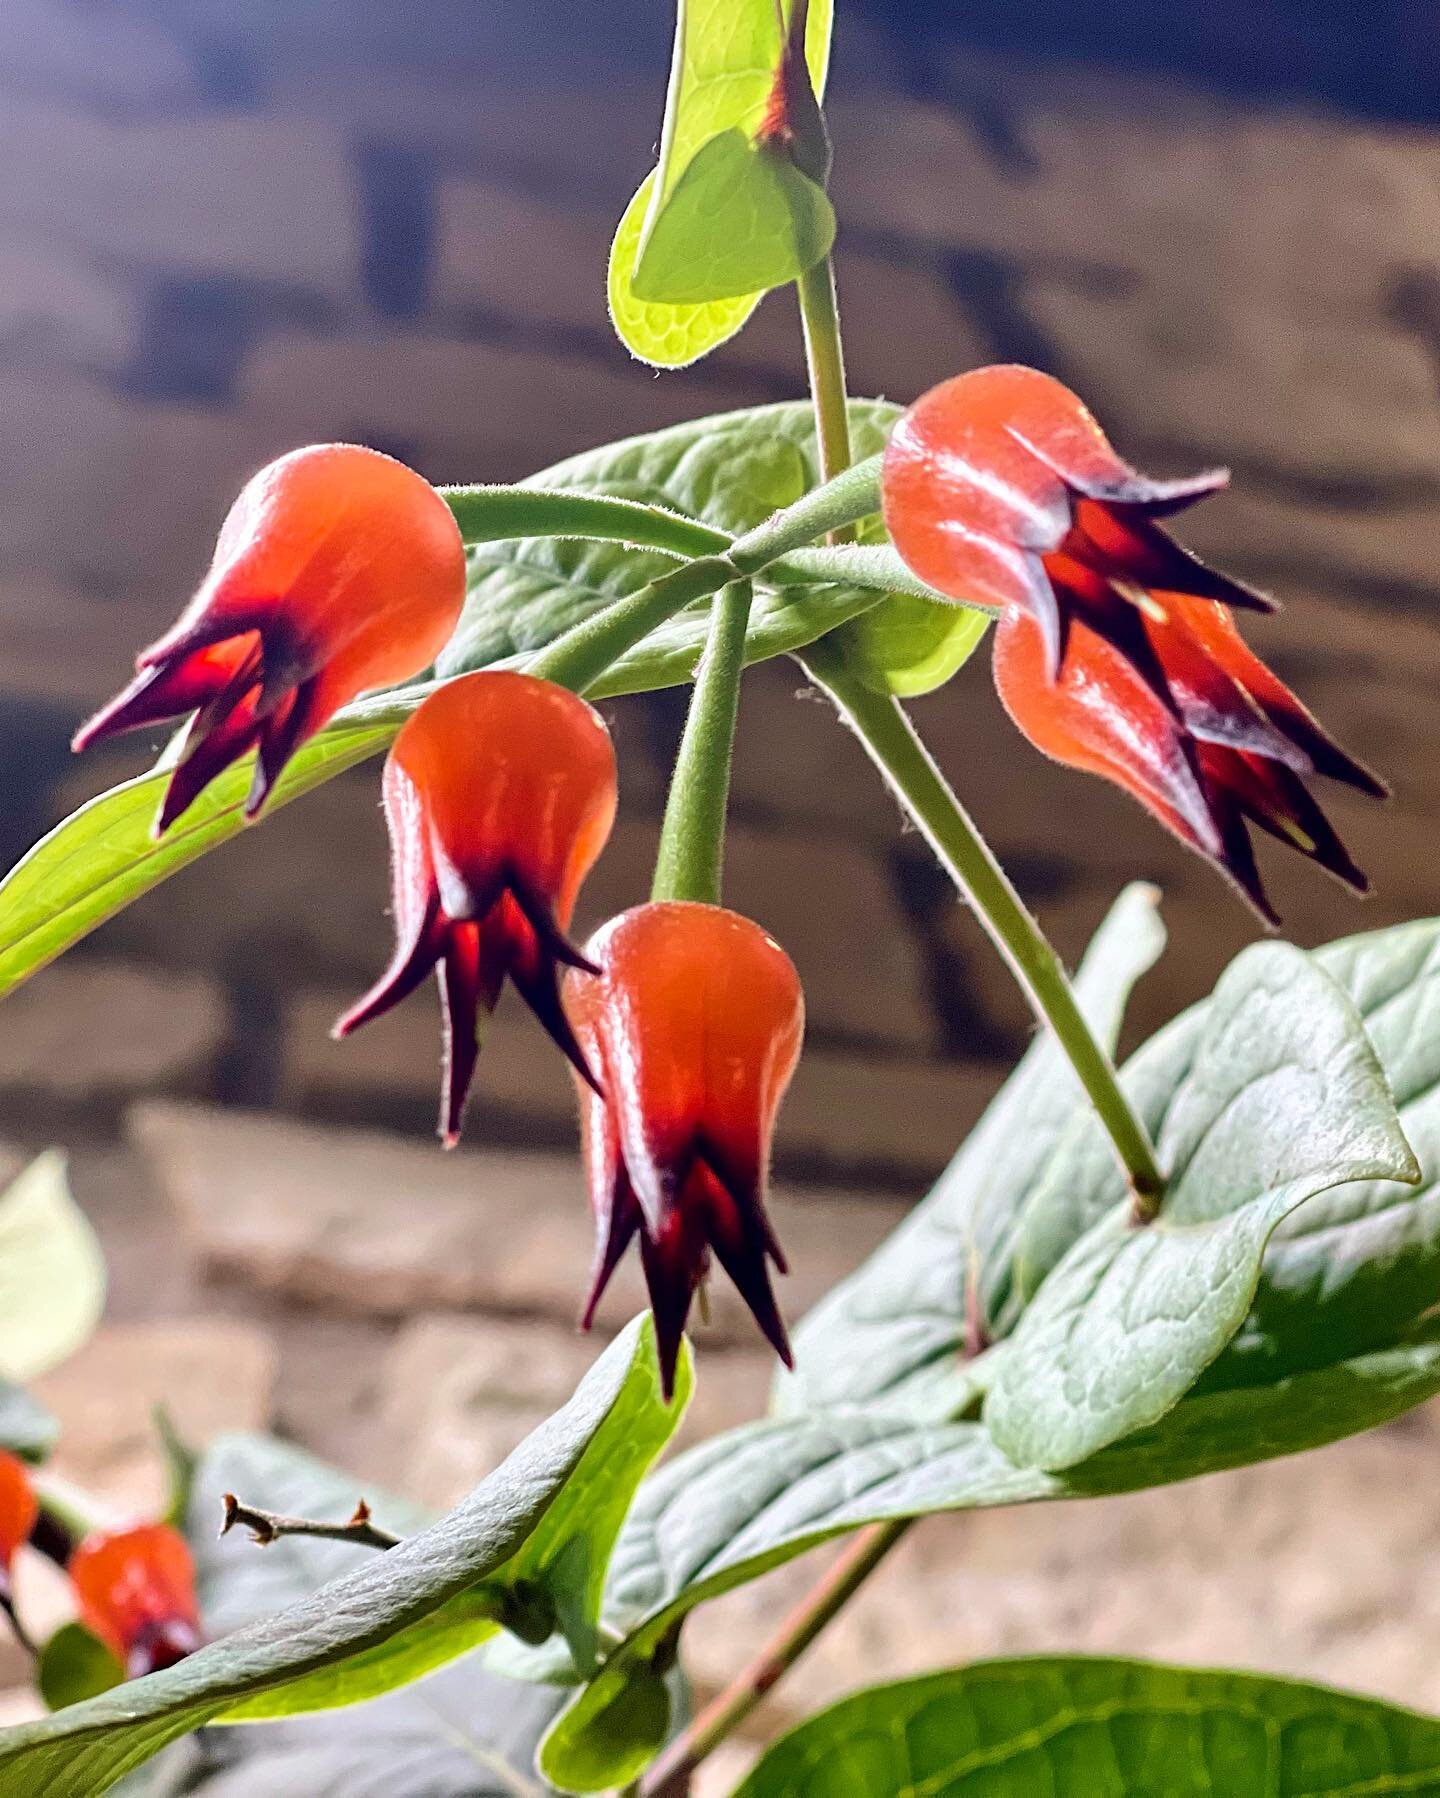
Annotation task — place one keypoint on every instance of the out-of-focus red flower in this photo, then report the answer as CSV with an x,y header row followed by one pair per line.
x,y
499,795
337,569
136,1591
1231,753
1116,650
693,1023
19,1509
999,487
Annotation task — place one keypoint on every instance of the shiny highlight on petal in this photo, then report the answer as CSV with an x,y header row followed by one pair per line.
x,y
694,1024
337,570
499,795
136,1591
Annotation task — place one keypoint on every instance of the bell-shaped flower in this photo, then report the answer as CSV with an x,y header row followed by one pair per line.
x,y
1233,749
499,794
999,487
136,1590
337,569
693,1023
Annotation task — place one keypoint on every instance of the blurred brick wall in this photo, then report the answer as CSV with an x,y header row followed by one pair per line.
x,y
227,230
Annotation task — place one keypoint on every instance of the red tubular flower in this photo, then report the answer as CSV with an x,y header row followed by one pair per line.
x,y
337,570
19,1509
136,1591
694,1023
1000,487
1233,755
499,795
1116,650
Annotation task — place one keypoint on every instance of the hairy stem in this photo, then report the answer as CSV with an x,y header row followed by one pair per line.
x,y
579,657
268,1526
692,840
891,742
825,362
669,1776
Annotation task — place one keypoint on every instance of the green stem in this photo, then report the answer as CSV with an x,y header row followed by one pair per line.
x,y
890,741
692,839
669,1776
579,657
825,360
501,514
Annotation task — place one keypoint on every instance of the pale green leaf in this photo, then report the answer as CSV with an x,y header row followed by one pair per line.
x,y
1281,1097
52,1272
733,1508
461,1733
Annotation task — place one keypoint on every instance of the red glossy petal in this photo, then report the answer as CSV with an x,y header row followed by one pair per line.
x,y
136,1591
19,1507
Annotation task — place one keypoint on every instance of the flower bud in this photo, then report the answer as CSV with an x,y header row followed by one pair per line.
x,y
337,569
499,795
693,1023
136,1591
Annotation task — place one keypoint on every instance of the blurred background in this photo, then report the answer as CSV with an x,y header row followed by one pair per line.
x,y
226,230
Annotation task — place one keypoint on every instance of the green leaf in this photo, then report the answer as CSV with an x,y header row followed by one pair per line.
x,y
52,1273
596,1746
740,220
909,644
895,1331
723,67
74,1665
1281,1097
398,1615
1105,1728
26,1427
103,856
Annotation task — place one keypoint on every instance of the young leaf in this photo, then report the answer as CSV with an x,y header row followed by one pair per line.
x,y
52,1273
895,1331
721,77
1107,1728
740,220
1281,1098
397,1615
